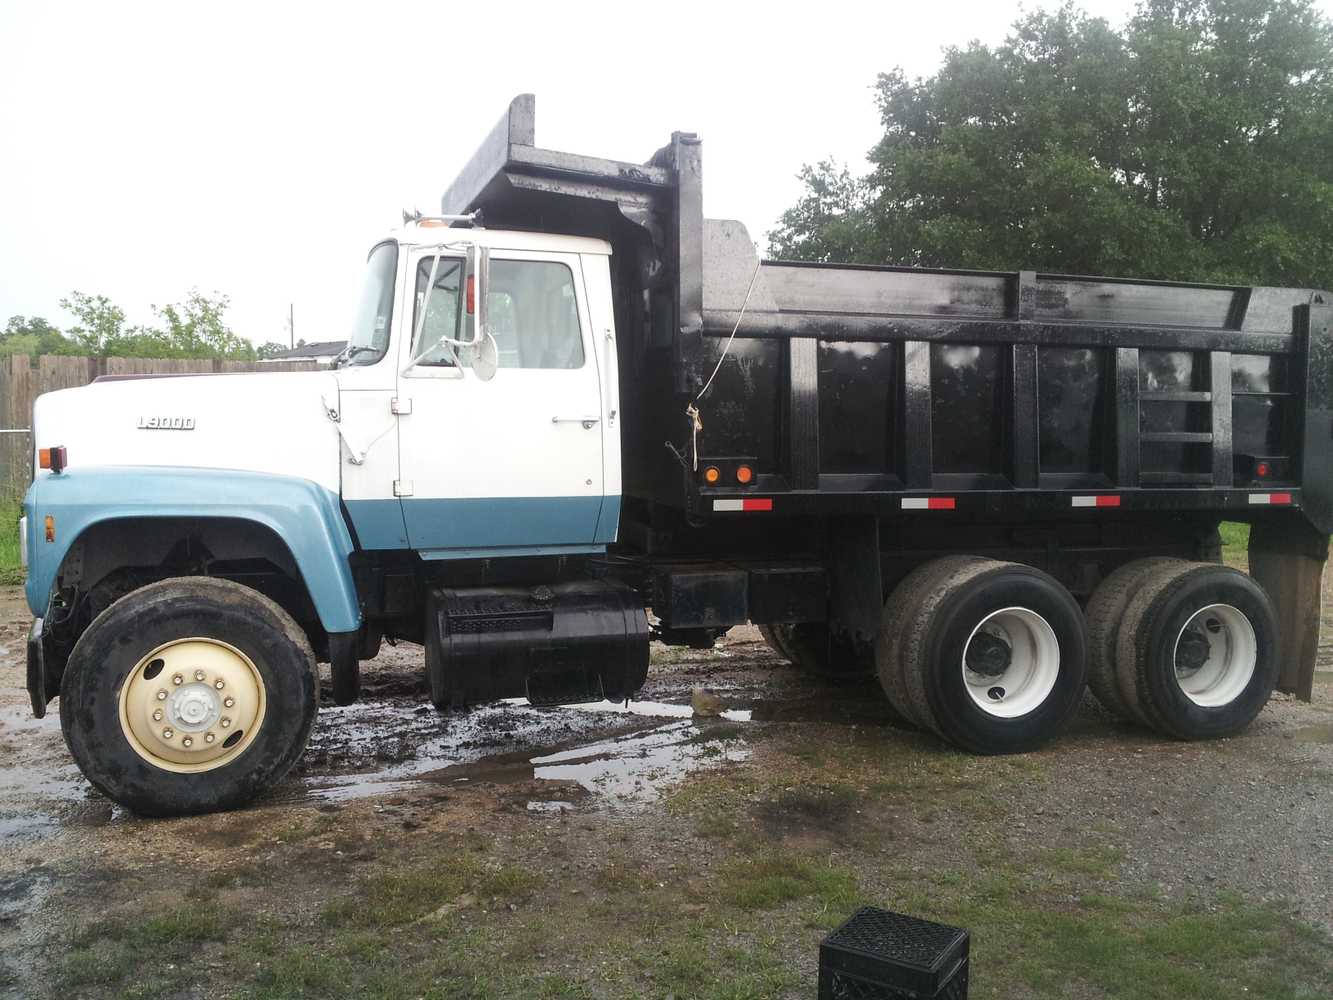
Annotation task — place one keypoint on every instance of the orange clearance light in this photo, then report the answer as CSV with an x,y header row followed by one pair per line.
x,y
744,475
712,474
50,528
54,459
471,294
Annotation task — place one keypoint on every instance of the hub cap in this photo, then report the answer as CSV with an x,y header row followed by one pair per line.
x,y
1215,656
1011,662
192,705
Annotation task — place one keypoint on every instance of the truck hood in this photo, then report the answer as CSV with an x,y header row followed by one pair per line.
x,y
275,422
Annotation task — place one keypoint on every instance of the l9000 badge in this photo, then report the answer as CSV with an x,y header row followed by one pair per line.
x,y
166,423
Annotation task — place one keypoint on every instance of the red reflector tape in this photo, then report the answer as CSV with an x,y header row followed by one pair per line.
x,y
1095,501
1270,498
749,503
929,503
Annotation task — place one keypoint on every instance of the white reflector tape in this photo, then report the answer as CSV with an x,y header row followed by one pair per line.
x,y
916,503
1106,500
728,505
1270,498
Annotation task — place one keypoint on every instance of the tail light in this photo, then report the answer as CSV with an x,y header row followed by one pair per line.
x,y
744,475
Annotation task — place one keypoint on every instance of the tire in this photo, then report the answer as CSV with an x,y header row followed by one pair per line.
x,y
258,673
775,643
986,616
1198,649
808,647
900,609
1105,611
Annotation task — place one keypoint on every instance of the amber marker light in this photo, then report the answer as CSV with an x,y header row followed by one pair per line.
x,y
50,528
54,459
744,475
712,474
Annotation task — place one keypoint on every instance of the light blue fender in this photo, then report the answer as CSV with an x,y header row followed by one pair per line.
x,y
304,515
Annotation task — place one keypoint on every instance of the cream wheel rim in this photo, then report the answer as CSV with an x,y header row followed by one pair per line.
x,y
192,705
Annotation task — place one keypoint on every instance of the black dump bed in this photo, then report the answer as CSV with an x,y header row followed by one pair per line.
x,y
889,390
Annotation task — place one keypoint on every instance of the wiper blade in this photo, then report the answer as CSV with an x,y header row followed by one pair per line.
x,y
350,352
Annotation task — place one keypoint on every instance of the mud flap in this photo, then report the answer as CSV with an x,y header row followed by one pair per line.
x,y
37,670
1287,558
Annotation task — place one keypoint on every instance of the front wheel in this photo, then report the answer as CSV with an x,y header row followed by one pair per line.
x,y
187,696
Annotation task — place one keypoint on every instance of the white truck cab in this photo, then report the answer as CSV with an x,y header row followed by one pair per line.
x,y
456,459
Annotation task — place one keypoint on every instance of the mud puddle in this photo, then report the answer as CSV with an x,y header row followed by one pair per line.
x,y
620,768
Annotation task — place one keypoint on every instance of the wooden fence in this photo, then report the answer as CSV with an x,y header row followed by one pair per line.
x,y
23,379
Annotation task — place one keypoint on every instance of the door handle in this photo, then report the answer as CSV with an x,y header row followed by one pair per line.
x,y
587,422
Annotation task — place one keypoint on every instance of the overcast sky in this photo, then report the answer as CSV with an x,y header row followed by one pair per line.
x,y
260,149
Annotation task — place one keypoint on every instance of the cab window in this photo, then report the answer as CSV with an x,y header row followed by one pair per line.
x,y
534,315
531,308
444,314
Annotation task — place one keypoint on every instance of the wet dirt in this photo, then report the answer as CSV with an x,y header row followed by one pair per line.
x,y
391,770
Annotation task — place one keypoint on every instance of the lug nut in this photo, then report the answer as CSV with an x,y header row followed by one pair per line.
x,y
187,742
225,723
161,696
209,737
198,675
218,684
157,715
168,733
178,679
229,701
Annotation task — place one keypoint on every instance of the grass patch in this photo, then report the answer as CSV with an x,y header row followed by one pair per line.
x,y
1235,536
108,952
775,878
11,572
393,898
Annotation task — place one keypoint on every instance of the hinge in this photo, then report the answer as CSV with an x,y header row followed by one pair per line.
x,y
402,407
402,487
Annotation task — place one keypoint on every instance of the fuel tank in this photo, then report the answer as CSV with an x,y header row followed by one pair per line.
x,y
584,640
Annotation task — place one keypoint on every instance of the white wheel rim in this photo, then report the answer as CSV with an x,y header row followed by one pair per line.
x,y
1233,653
1032,670
192,705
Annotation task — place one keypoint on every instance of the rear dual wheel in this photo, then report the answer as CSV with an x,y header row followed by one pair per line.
x,y
1195,652
990,655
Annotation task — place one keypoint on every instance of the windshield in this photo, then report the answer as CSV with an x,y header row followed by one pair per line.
x,y
369,337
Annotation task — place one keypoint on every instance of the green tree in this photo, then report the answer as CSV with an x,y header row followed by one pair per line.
x,y
195,328
33,335
269,350
1195,143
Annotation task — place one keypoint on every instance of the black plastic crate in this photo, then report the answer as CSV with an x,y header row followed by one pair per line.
x,y
879,955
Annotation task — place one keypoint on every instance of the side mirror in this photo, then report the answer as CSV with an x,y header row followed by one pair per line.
x,y
478,265
480,344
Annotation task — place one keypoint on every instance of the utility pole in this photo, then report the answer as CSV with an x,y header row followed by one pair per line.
x,y
291,324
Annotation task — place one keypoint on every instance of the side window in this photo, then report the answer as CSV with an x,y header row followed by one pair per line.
x,y
533,314
444,315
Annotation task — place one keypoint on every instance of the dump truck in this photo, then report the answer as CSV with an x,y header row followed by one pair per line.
x,y
570,400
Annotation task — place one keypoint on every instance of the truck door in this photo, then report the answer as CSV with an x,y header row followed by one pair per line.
x,y
513,465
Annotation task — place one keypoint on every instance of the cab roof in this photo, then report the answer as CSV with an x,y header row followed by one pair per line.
x,y
414,234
